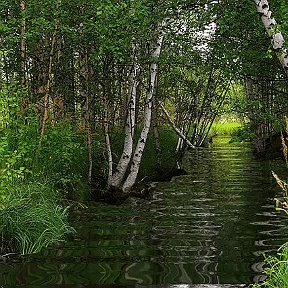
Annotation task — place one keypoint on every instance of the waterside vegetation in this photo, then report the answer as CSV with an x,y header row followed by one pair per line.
x,y
98,97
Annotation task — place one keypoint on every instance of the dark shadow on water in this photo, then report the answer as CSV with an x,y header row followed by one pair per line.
x,y
212,226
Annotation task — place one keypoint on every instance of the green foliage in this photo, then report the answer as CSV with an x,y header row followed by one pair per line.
x,y
62,155
18,135
31,217
242,134
240,46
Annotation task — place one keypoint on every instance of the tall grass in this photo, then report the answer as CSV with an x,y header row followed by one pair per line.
x,y
31,217
277,270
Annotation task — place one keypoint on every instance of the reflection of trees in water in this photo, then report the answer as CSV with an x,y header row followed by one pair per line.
x,y
207,269
206,227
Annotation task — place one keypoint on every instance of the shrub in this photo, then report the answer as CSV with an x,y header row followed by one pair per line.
x,y
62,156
242,134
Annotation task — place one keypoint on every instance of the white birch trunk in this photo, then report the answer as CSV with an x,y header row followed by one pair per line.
x,y
139,150
277,38
124,161
179,144
107,141
178,131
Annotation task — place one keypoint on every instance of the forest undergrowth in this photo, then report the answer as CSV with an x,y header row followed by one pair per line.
x,y
40,181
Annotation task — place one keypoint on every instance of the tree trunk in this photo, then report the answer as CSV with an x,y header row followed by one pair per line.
x,y
85,94
48,86
124,161
277,38
107,139
139,150
23,44
155,129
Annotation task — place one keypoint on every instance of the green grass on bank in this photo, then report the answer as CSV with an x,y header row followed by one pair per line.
x,y
277,270
226,128
31,217
34,181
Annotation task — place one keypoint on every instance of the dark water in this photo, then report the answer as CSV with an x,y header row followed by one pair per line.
x,y
211,226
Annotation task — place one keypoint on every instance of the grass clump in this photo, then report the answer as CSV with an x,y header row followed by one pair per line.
x,y
31,218
277,270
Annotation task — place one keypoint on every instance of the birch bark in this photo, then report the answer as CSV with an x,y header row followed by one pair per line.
x,y
277,39
138,153
107,139
117,177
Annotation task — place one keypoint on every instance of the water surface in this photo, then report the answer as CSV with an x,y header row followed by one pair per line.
x,y
211,226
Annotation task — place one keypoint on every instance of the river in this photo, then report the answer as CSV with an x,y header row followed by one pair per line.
x,y
211,226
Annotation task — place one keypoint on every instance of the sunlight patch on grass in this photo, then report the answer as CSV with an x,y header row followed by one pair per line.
x,y
225,128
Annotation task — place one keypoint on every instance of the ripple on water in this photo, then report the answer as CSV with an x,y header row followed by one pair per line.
x,y
211,226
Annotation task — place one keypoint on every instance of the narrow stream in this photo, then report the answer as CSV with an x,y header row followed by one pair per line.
x,y
211,226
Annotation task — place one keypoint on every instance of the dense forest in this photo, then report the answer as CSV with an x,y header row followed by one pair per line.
x,y
97,98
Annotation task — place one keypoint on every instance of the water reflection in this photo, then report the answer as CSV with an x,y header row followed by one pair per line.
x,y
211,226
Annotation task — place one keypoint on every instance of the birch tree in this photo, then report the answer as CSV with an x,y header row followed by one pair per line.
x,y
117,177
139,150
277,39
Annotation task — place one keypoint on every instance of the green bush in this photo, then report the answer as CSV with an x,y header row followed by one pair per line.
x,y
62,157
18,136
242,134
31,217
